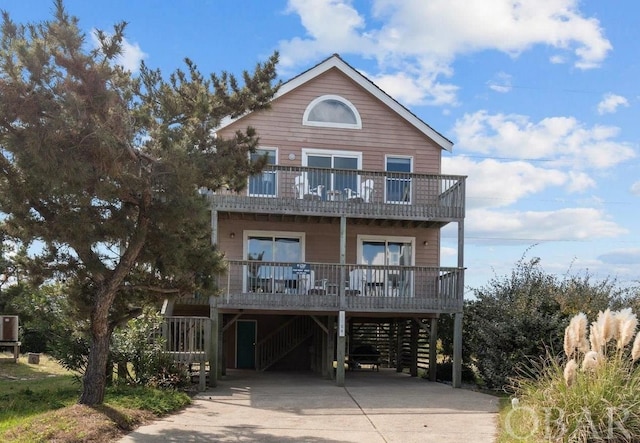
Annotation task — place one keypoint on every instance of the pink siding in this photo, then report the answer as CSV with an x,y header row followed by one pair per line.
x,y
322,241
383,131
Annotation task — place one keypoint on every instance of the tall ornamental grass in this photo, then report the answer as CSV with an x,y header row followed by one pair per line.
x,y
589,394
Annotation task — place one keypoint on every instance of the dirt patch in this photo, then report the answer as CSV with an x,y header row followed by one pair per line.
x,y
80,423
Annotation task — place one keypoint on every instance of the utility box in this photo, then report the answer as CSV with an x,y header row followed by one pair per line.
x,y
9,328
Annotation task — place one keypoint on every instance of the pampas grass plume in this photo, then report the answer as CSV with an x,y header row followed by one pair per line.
x,y
579,326
635,350
608,325
595,337
569,341
570,372
575,335
627,322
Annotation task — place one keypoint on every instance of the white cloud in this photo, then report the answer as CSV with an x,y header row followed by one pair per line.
x,y
610,103
423,38
131,56
524,159
450,27
635,188
447,252
579,182
501,83
415,90
622,256
559,141
331,25
569,224
491,183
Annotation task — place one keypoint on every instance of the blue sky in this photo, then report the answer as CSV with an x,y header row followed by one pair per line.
x,y
540,98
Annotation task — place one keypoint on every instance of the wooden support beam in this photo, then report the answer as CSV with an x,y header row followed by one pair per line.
x,y
457,350
322,326
341,348
433,351
325,370
222,360
413,370
400,325
232,321
214,344
331,344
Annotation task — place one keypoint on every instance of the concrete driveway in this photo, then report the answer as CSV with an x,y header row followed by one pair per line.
x,y
384,406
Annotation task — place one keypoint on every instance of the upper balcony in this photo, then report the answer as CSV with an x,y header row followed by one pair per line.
x,y
296,190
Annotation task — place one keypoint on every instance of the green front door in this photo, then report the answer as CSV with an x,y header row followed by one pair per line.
x,y
246,344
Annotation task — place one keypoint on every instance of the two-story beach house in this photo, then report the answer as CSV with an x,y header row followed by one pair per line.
x,y
334,249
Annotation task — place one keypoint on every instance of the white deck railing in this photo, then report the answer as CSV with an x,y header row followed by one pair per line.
x,y
187,341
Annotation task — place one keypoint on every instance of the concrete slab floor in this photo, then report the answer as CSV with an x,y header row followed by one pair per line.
x,y
385,406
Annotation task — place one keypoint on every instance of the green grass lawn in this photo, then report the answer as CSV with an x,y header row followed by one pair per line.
x,y
39,404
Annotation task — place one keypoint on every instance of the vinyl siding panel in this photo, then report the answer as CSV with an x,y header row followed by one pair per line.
x,y
383,131
322,241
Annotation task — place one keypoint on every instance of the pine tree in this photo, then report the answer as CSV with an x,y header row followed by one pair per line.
x,y
100,168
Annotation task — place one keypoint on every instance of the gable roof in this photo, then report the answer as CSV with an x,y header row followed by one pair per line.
x,y
335,61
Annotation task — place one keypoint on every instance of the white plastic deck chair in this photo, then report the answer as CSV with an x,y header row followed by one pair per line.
x,y
316,193
306,282
302,189
301,185
350,193
357,280
366,190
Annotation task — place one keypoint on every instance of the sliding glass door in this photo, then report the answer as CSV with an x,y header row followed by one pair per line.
x,y
277,247
389,255
334,183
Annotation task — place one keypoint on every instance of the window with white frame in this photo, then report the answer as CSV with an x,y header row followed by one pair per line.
x,y
387,258
333,183
332,111
278,247
398,181
265,183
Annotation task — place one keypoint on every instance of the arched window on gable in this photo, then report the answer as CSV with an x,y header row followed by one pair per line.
x,y
332,111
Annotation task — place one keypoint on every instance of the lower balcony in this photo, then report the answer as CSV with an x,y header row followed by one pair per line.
x,y
280,286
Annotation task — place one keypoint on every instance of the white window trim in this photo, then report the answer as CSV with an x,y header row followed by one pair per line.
x,y
290,234
332,152
361,238
307,122
275,194
397,202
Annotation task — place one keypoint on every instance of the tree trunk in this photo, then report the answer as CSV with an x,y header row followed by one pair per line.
x,y
95,376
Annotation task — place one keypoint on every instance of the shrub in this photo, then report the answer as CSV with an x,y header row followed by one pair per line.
x,y
515,318
70,348
168,374
512,320
444,372
140,344
589,394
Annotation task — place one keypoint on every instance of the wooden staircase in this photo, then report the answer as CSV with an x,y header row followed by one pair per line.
x,y
283,340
